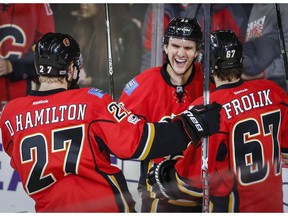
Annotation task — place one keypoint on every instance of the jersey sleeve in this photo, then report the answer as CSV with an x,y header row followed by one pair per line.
x,y
128,136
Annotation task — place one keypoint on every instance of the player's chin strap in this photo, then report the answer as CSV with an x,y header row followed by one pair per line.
x,y
72,84
78,63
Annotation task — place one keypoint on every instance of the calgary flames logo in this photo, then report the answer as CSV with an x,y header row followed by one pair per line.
x,y
66,42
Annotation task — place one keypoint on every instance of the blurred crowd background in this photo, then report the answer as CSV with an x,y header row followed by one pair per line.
x,y
136,39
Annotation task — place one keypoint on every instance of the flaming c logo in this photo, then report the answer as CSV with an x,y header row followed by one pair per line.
x,y
66,42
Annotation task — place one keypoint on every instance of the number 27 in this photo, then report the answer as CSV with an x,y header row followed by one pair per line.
x,y
66,139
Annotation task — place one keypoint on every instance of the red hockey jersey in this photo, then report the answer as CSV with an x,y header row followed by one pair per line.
x,y
21,26
244,160
60,143
152,95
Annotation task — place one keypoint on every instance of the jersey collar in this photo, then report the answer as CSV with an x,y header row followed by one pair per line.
x,y
166,75
45,93
230,85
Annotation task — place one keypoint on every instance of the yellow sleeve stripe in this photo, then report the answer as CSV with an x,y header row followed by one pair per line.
x,y
149,141
183,188
114,181
285,157
154,206
231,202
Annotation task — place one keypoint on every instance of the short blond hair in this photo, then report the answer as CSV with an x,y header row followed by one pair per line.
x,y
50,80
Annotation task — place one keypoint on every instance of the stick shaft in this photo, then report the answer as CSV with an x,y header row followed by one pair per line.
x,y
206,94
109,52
282,39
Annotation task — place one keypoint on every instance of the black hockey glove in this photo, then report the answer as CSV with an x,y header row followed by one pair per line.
x,y
200,121
160,180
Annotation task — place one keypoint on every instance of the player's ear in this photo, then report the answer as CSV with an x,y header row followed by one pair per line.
x,y
165,49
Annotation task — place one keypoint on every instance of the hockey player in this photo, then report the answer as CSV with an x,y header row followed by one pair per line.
x,y
244,158
60,140
160,93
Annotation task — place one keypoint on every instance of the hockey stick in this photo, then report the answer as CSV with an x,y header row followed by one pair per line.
x,y
206,94
281,37
109,52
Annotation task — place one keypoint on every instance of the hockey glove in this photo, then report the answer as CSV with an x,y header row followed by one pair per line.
x,y
160,180
200,121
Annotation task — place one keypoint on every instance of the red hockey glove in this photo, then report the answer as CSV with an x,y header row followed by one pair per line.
x,y
200,121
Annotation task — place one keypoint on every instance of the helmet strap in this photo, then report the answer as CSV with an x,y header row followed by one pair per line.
x,y
72,84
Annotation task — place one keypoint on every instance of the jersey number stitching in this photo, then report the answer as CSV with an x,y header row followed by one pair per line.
x,y
34,149
250,162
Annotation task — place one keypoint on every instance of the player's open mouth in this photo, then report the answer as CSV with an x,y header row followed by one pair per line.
x,y
180,62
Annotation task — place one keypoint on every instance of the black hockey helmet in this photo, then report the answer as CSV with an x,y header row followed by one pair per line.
x,y
225,50
53,54
181,27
